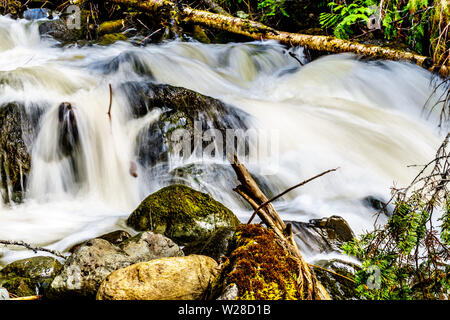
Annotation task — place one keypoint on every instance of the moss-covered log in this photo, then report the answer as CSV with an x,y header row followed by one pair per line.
x,y
259,31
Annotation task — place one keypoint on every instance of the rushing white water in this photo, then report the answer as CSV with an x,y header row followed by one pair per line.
x,y
364,117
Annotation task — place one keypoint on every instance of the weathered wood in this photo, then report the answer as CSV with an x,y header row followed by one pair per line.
x,y
259,31
249,190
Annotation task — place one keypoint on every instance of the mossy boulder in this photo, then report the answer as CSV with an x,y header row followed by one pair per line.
x,y
30,276
16,133
258,268
182,214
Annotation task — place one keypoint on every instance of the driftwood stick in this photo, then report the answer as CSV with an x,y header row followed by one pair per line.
x,y
286,191
251,188
30,247
110,102
262,214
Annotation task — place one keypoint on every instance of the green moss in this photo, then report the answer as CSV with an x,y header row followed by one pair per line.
x,y
111,38
259,266
109,27
21,287
199,34
182,214
28,276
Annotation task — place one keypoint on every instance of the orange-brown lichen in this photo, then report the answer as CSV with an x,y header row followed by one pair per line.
x,y
259,266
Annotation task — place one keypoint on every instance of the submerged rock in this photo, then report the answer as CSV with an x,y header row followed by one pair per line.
x,y
68,129
177,278
93,261
322,235
181,109
182,214
259,267
30,276
16,132
339,283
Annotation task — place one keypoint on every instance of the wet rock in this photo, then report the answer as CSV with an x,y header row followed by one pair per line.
x,y
68,28
180,107
16,133
258,266
127,59
68,129
4,295
114,237
338,284
322,235
177,278
378,204
216,247
148,246
182,214
29,276
93,261
86,268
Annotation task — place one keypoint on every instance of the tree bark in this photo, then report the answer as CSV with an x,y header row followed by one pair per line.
x,y
259,31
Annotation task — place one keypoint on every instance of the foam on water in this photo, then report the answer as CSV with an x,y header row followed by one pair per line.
x,y
364,117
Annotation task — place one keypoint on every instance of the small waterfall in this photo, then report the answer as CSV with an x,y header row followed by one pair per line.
x,y
366,118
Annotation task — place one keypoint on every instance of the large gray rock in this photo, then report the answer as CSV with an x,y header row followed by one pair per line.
x,y
93,261
180,109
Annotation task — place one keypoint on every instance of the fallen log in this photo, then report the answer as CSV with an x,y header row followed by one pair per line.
x,y
259,31
249,190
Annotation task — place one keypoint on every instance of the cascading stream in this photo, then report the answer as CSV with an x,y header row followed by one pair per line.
x,y
366,118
